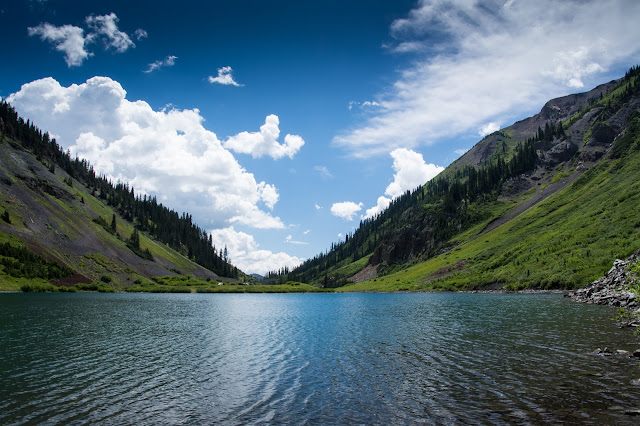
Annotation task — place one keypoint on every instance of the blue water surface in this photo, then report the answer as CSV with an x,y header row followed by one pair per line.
x,y
311,359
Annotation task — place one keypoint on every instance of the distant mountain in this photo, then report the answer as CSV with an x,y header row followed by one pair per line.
x,y
548,202
64,224
257,277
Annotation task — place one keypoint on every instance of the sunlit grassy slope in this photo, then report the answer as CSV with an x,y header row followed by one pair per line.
x,y
565,241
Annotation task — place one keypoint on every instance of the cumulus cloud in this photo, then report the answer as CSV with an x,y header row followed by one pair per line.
x,y
346,210
224,77
246,254
73,43
265,142
478,62
461,151
67,39
489,128
107,26
166,152
169,61
318,207
411,171
383,203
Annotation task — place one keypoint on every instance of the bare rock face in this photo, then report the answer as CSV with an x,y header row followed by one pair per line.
x,y
560,152
602,134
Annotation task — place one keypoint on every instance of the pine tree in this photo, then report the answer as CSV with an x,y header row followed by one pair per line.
x,y
134,240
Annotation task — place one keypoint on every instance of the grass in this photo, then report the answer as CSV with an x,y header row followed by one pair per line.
x,y
189,284
565,241
559,176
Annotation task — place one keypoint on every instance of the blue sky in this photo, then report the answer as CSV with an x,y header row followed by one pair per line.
x,y
280,125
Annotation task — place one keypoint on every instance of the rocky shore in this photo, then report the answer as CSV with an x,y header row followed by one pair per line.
x,y
617,288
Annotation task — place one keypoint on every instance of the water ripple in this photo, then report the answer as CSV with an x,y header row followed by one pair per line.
x,y
310,359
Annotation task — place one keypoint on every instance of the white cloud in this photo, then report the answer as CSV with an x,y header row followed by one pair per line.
x,y
461,151
572,65
365,104
307,232
265,142
140,34
107,26
73,43
67,39
246,254
489,128
317,207
167,151
346,209
383,203
411,171
169,61
290,240
492,61
323,171
224,77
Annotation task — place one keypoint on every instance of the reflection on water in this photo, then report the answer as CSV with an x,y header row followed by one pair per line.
x,y
323,358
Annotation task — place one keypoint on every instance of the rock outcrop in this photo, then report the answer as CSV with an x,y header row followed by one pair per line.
x,y
616,289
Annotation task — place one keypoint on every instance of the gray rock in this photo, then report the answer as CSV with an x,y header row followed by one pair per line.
x,y
614,289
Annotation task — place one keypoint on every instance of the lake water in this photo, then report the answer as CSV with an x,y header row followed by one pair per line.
x,y
311,359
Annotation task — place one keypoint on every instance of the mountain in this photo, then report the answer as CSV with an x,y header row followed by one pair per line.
x,y
63,224
548,202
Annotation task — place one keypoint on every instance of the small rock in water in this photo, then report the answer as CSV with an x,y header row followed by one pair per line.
x,y
636,353
623,352
607,351
635,382
632,412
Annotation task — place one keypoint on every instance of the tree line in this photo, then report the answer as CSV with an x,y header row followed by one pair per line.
x,y
444,204
167,226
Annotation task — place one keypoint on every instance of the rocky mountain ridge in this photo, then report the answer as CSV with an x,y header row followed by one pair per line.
x,y
563,180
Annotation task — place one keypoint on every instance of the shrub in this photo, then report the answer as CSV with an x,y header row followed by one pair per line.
x,y
6,217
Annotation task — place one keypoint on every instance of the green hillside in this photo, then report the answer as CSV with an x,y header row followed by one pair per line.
x,y
64,227
547,203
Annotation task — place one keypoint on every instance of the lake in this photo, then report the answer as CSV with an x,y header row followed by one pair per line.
x,y
312,359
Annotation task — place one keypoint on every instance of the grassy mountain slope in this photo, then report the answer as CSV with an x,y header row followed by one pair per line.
x,y
56,217
556,223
